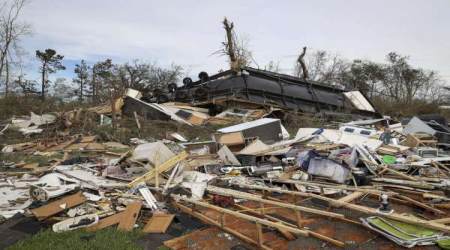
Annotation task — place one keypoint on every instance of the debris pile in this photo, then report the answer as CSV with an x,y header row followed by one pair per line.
x,y
252,180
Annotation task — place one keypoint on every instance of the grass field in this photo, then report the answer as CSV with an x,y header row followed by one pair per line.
x,y
107,239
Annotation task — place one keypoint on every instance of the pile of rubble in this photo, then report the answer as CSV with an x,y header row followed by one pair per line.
x,y
252,180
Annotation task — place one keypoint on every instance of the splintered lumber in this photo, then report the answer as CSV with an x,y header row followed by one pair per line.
x,y
136,118
252,197
443,220
161,169
241,215
349,198
106,222
371,190
287,234
122,157
362,209
208,220
420,204
393,171
129,217
415,184
158,223
57,206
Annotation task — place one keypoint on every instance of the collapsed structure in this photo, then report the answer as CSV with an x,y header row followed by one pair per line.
x,y
255,88
252,184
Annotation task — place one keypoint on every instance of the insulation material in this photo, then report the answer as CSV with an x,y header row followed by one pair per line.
x,y
328,168
359,101
156,153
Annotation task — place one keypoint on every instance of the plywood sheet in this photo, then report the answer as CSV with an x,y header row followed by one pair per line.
x,y
57,206
129,217
235,138
158,223
106,222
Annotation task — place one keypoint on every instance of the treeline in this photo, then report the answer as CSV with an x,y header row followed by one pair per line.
x,y
395,86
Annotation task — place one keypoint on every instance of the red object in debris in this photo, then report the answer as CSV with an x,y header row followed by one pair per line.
x,y
223,201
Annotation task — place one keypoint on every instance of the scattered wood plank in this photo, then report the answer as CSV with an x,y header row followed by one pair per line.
x,y
211,221
349,198
247,196
138,124
162,168
442,220
362,209
57,206
158,223
106,222
128,219
279,226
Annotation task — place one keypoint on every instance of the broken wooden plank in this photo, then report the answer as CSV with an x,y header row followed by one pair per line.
x,y
288,235
241,215
277,225
128,219
349,198
161,168
420,204
57,206
106,222
442,220
158,223
247,196
208,220
136,118
359,208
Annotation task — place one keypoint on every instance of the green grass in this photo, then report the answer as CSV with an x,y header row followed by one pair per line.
x,y
19,156
107,239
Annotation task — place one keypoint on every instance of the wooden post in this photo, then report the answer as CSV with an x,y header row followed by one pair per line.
x,y
259,235
222,219
263,211
298,217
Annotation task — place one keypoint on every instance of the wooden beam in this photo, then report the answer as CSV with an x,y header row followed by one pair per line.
x,y
363,209
248,210
312,233
208,220
161,168
57,206
442,220
241,215
259,235
106,222
349,198
128,219
398,173
247,196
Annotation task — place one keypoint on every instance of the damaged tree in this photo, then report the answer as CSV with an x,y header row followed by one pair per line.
x,y
235,48
50,63
302,63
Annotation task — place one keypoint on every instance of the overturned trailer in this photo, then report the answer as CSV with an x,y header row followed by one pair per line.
x,y
254,87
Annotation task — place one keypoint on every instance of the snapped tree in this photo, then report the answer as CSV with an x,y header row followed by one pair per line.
x,y
235,48
50,63
81,78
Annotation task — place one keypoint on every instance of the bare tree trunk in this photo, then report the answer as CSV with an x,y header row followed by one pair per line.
x,y
94,86
230,44
81,89
303,64
43,83
7,77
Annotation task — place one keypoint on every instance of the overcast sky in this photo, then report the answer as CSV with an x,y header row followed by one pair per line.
x,y
189,32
